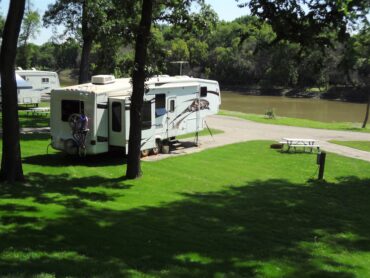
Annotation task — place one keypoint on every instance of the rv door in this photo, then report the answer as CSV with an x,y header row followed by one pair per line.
x,y
148,125
172,118
101,120
117,134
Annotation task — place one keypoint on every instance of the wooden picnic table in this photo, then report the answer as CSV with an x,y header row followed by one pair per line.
x,y
300,142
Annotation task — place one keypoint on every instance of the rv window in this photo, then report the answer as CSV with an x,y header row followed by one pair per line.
x,y
116,116
160,105
146,115
44,80
203,91
70,107
172,105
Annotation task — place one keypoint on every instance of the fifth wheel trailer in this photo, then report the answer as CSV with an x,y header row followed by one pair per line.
x,y
42,81
26,93
92,118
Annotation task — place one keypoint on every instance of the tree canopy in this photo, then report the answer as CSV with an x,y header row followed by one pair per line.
x,y
30,28
309,22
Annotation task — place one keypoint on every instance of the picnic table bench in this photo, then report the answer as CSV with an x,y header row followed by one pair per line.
x,y
38,111
300,142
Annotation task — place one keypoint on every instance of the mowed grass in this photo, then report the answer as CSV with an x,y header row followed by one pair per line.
x,y
242,210
30,120
346,126
360,145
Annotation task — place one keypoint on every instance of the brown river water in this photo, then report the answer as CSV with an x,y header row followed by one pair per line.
x,y
313,109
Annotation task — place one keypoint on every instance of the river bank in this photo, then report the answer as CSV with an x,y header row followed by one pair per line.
x,y
316,109
346,94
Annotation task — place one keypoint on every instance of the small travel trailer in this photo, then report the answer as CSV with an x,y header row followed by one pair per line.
x,y
95,117
42,81
26,93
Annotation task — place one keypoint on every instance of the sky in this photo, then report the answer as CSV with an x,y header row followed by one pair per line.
x,y
226,9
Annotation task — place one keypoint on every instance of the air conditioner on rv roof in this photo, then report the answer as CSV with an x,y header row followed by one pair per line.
x,y
102,79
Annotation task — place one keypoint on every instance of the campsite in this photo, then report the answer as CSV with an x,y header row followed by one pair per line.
x,y
184,138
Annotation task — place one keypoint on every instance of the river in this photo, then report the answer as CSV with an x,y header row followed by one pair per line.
x,y
313,109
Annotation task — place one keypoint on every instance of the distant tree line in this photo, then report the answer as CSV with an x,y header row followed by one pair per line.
x,y
243,52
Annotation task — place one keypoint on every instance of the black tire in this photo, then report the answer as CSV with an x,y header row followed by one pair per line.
x,y
144,153
158,147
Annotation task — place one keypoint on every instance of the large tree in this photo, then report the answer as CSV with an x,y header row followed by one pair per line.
x,y
11,163
356,64
138,88
172,11
30,28
2,22
83,19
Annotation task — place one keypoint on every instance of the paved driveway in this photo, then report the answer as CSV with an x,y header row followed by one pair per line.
x,y
238,130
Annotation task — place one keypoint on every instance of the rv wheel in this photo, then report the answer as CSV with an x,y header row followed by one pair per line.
x,y
157,149
144,153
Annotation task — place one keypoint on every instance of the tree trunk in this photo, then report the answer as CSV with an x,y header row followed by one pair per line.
x,y
11,162
138,84
84,65
367,111
87,39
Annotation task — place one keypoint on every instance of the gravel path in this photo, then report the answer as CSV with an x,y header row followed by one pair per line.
x,y
239,130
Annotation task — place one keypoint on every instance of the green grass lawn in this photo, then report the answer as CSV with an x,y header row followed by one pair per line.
x,y
242,210
360,145
297,122
31,120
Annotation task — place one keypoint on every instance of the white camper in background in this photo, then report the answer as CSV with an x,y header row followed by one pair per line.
x,y
26,94
42,81
95,117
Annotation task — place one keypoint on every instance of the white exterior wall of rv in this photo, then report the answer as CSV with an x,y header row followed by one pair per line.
x,y
25,92
28,96
177,116
183,119
94,99
42,81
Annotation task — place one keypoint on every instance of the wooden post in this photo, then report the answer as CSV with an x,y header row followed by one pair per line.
x,y
322,165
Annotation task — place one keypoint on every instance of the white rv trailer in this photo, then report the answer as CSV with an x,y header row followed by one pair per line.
x,y
42,81
95,117
26,94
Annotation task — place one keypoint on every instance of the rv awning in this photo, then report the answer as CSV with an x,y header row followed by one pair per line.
x,y
21,83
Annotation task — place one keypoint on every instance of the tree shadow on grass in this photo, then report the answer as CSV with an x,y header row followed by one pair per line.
x,y
35,136
264,228
61,159
34,122
62,190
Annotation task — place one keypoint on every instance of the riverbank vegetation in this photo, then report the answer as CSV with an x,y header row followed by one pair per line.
x,y
239,210
277,120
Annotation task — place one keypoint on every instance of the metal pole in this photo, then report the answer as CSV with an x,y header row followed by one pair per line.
x,y
322,165
198,119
